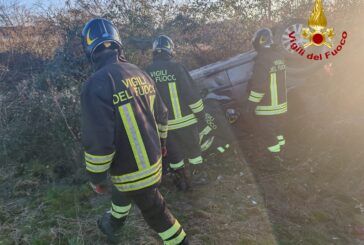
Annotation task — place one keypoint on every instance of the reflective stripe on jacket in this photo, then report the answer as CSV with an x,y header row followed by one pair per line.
x,y
267,87
176,87
123,122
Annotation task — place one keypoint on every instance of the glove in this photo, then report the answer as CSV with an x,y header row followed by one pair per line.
x,y
99,188
164,151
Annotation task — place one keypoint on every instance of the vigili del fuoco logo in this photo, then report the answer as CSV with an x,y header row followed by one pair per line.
x,y
317,34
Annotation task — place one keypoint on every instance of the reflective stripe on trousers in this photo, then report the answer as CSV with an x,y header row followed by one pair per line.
x,y
119,212
196,160
174,235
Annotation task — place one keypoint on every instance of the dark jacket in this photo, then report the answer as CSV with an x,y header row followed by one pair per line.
x,y
123,119
267,88
176,87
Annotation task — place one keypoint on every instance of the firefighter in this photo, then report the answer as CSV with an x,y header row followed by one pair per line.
x,y
186,111
124,127
267,91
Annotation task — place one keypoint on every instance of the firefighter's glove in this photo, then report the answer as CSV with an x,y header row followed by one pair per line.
x,y
99,188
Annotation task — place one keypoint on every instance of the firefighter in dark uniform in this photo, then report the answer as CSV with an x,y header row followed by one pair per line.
x,y
185,107
124,127
267,91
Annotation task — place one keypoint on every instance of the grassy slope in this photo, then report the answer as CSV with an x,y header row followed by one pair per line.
x,y
229,210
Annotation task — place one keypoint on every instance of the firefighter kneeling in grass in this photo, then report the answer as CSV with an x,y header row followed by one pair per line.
x,y
267,91
124,124
186,112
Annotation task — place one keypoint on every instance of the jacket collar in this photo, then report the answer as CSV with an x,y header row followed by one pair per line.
x,y
161,56
108,57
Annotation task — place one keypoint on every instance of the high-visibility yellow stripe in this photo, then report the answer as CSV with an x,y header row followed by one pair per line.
x,y
197,107
182,122
119,211
163,131
183,125
253,99
138,175
221,149
99,168
196,160
134,136
197,104
163,135
151,100
204,132
270,113
273,89
178,165
275,148
256,94
272,108
99,159
144,183
162,128
177,240
175,100
205,145
171,231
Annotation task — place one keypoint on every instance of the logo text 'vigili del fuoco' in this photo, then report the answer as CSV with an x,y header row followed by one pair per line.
x,y
317,34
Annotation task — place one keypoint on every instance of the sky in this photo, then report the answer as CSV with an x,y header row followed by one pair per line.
x,y
46,3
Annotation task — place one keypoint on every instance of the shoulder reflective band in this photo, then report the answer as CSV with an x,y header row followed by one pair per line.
x,y
255,96
273,89
119,211
196,160
98,164
151,100
197,107
167,236
135,139
175,100
178,165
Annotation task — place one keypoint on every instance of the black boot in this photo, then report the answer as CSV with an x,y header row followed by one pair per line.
x,y
110,226
181,179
